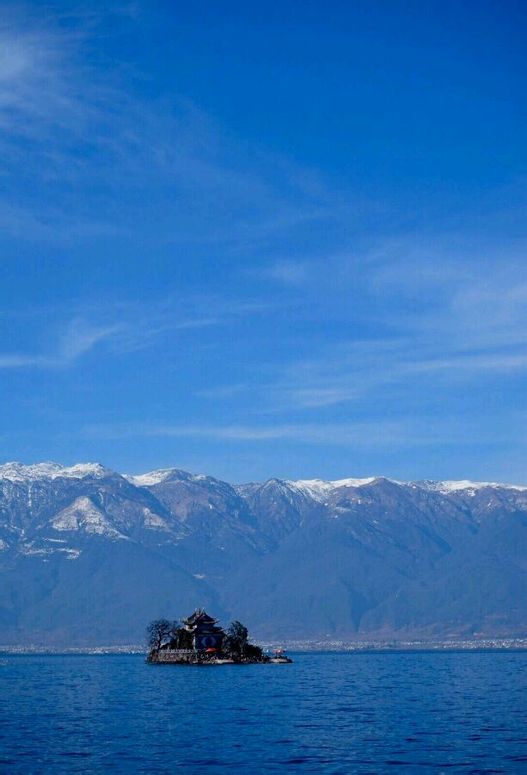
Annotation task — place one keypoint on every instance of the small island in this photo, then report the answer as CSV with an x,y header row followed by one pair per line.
x,y
199,640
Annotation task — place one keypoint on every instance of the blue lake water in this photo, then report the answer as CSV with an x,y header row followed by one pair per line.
x,y
334,713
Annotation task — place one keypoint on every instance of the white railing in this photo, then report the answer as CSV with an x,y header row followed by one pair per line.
x,y
176,651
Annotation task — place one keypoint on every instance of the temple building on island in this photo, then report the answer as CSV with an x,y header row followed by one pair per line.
x,y
199,640
206,634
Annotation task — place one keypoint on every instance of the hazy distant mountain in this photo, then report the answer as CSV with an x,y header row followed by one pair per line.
x,y
90,556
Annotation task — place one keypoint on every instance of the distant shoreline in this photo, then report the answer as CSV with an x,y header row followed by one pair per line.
x,y
313,647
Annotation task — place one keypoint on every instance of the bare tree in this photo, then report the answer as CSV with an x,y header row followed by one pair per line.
x,y
158,631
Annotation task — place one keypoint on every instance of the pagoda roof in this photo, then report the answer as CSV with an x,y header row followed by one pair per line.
x,y
200,615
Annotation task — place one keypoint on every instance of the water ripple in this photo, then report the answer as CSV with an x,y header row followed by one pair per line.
x,y
367,713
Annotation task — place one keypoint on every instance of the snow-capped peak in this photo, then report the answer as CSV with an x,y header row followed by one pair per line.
x,y
319,488
354,482
152,477
162,475
18,472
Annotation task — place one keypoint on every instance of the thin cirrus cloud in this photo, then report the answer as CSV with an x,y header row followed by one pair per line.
x,y
349,434
129,327
78,338
402,432
352,375
289,272
406,314
79,126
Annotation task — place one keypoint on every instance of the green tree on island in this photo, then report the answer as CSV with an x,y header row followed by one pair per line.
x,y
236,643
236,639
180,638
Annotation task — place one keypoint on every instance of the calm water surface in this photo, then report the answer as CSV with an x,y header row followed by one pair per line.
x,y
334,713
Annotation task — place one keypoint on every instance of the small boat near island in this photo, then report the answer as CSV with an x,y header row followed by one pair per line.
x,y
280,658
199,640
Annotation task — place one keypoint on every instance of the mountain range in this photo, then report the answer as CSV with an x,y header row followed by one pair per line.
x,y
89,556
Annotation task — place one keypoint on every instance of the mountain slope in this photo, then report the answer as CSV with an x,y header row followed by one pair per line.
x,y
90,556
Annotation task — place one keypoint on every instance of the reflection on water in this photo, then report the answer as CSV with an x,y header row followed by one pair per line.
x,y
336,713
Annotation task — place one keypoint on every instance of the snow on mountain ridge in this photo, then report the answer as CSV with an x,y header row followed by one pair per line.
x,y
150,478
315,488
319,488
161,475
18,472
450,485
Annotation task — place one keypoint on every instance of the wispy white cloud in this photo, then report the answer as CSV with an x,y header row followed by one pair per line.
x,y
124,327
403,432
405,314
289,272
349,434
78,338
224,391
104,159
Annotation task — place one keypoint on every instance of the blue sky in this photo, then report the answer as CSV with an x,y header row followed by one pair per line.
x,y
262,239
